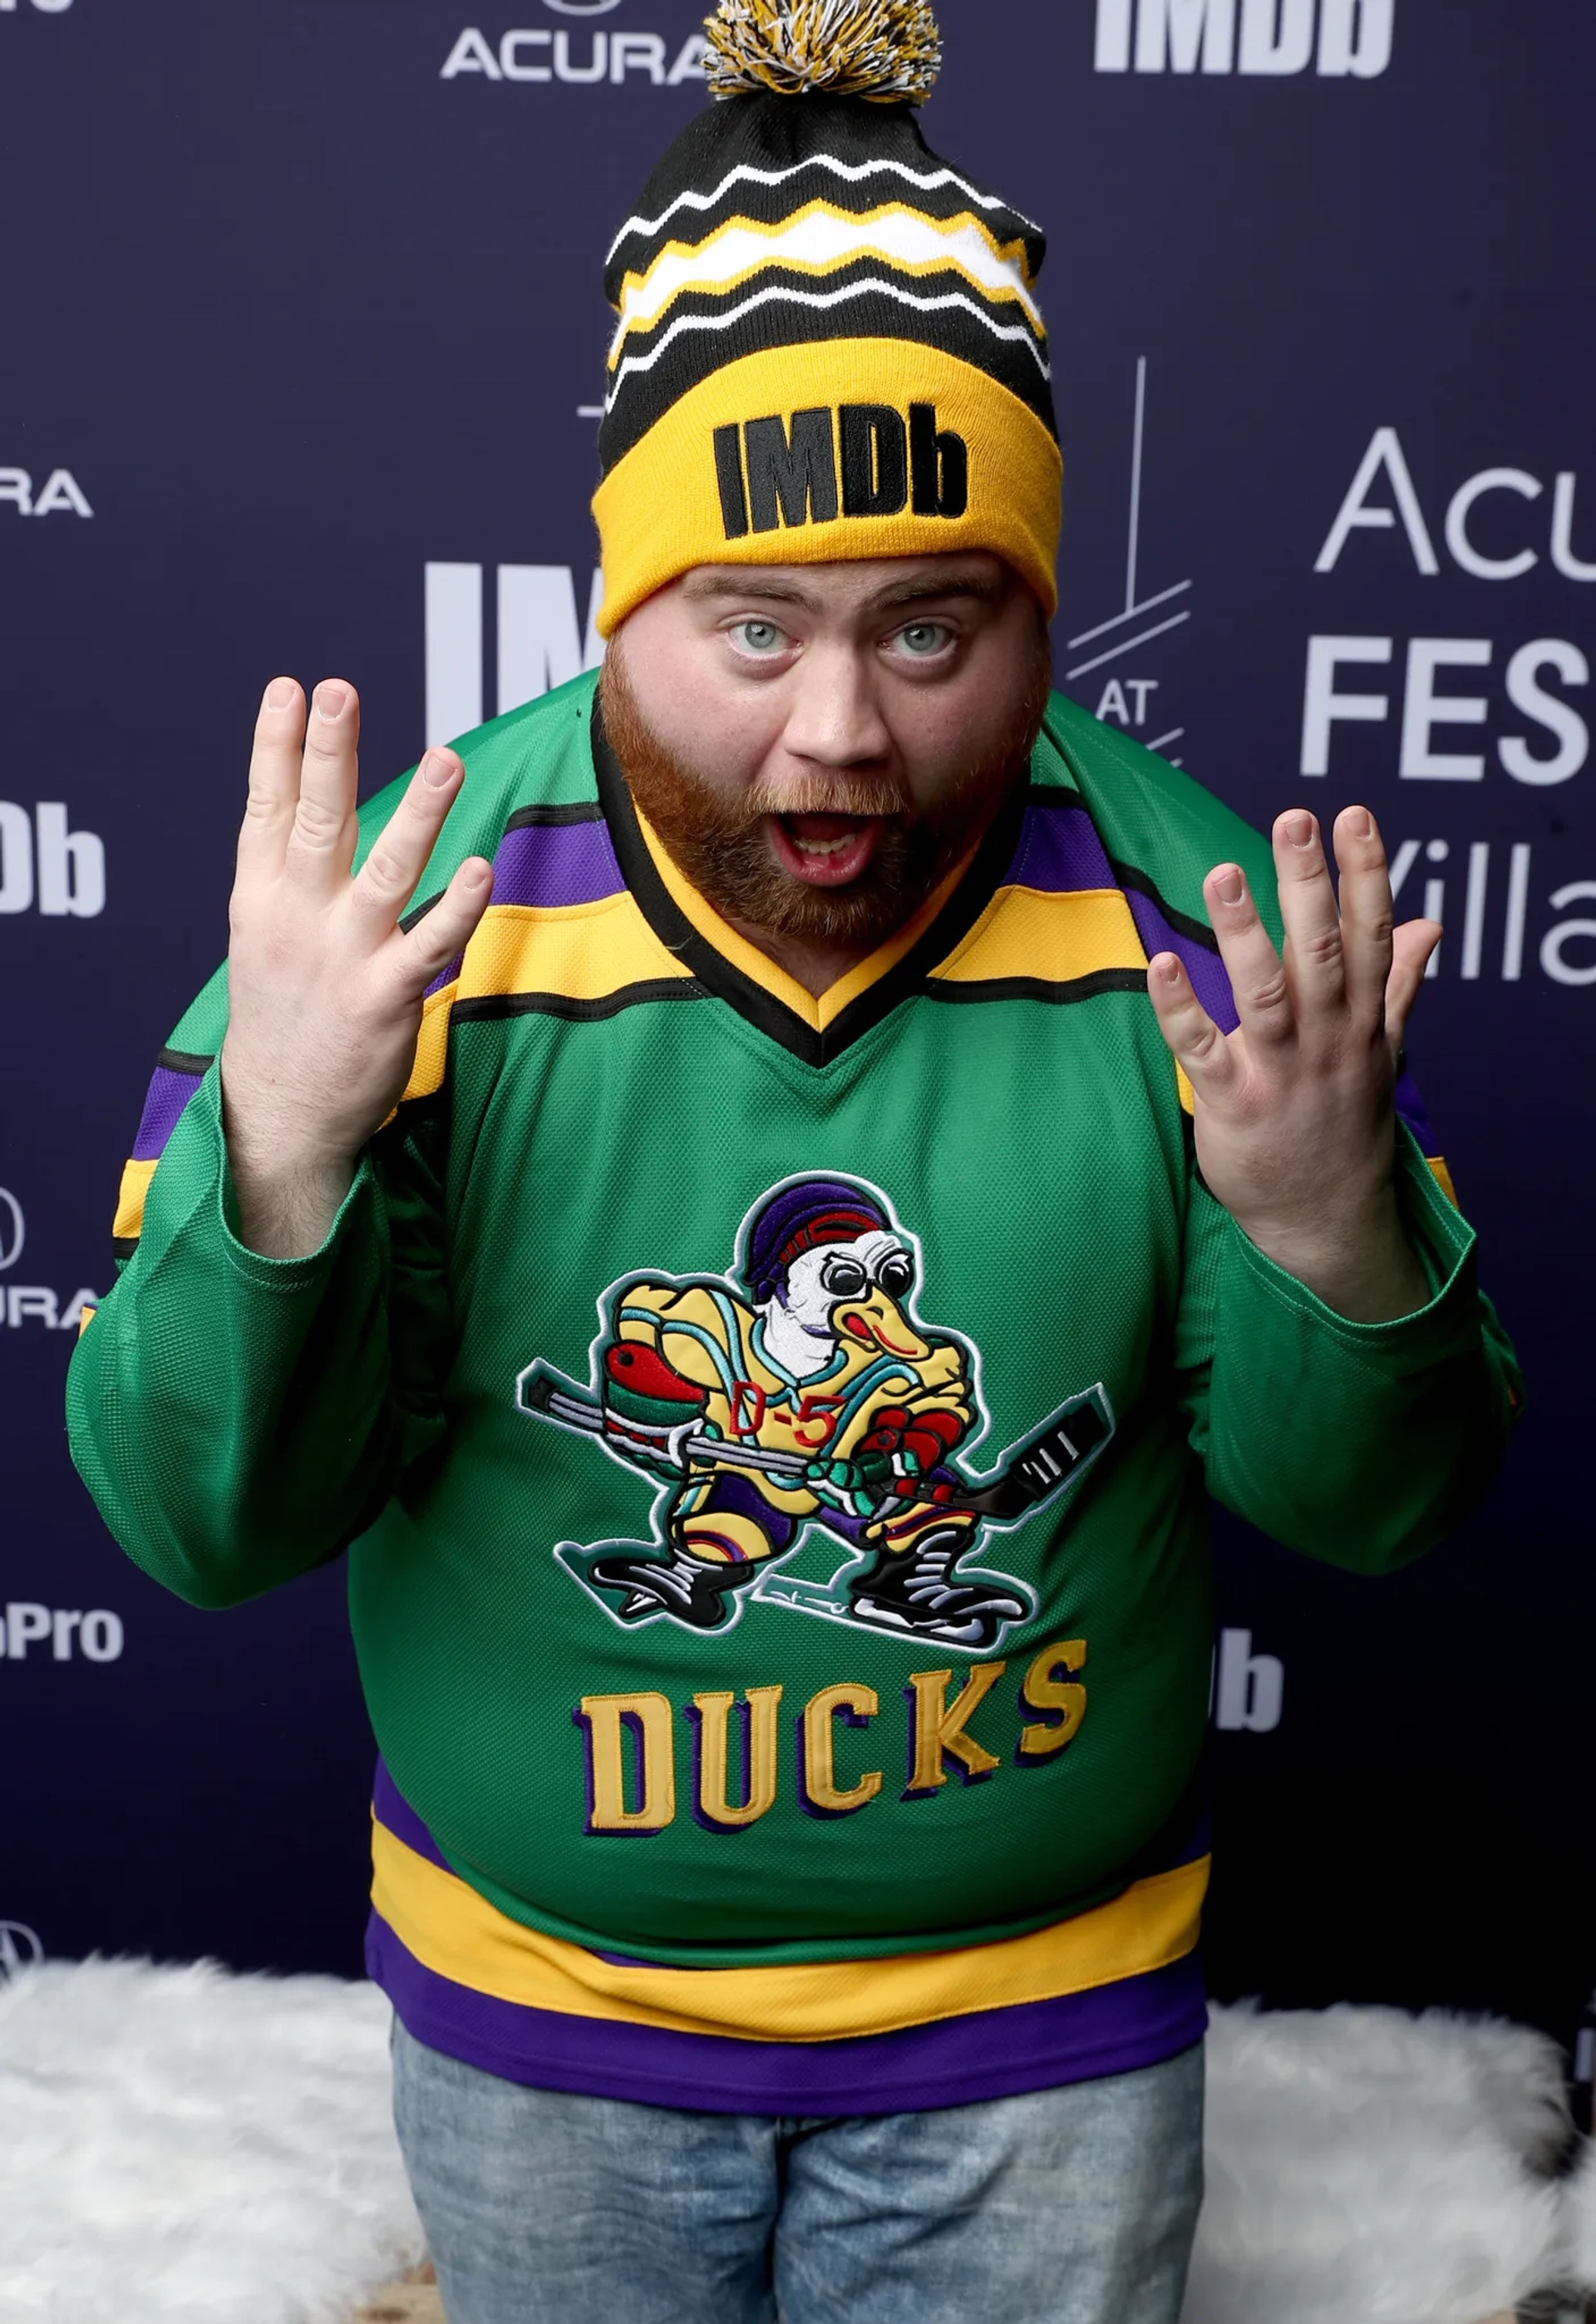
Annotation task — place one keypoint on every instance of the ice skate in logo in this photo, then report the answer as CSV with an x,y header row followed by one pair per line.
x,y
798,1406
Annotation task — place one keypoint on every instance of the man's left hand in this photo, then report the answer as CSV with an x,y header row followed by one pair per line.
x,y
1295,1120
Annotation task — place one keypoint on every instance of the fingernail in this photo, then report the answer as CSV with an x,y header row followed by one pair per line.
x,y
330,703
437,771
1299,830
1360,823
1229,885
279,694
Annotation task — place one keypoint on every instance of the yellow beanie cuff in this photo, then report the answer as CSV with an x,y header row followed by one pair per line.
x,y
841,449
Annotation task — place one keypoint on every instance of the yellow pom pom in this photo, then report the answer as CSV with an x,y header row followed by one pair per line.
x,y
888,51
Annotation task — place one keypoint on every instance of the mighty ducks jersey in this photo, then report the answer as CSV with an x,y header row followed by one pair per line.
x,y
771,1438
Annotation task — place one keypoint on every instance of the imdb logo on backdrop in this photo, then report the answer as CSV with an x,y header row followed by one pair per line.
x,y
1339,38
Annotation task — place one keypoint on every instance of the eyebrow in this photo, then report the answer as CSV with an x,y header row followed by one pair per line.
x,y
986,589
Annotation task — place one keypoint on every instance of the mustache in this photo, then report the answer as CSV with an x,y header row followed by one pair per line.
x,y
827,795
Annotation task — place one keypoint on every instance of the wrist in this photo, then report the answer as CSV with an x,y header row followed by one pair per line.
x,y
286,1207
1358,1258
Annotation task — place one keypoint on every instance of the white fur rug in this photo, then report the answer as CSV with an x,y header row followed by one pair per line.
x,y
1581,2223
1366,2167
182,2146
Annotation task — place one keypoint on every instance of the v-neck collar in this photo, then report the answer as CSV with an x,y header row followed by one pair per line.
x,y
815,1029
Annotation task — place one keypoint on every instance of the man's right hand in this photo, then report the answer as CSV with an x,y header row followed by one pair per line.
x,y
324,988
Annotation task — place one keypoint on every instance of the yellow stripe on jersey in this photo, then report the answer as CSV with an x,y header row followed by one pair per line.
x,y
1048,936
129,1222
580,952
456,1933
564,952
432,1044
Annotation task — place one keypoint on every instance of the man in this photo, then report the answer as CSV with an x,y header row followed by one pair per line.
x,y
762,1299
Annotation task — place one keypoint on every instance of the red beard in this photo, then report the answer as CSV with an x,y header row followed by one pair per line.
x,y
721,846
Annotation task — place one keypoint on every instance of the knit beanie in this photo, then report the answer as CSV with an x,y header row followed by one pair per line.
x,y
828,344
798,1218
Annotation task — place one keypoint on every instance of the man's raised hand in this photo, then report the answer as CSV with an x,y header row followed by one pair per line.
x,y
1295,1119
324,987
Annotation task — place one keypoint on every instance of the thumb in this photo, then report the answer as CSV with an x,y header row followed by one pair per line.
x,y
1411,947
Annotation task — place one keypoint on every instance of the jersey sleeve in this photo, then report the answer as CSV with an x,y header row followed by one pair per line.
x,y
1360,1443
239,1420
1363,1444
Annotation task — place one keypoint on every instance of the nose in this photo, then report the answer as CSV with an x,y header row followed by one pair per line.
x,y
834,719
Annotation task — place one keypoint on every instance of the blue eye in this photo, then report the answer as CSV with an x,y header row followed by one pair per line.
x,y
761,637
923,639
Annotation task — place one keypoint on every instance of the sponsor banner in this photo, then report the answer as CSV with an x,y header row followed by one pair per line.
x,y
60,1634
59,493
286,398
1263,39
572,58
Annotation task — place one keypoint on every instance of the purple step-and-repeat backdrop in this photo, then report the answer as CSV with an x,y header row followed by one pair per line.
x,y
303,335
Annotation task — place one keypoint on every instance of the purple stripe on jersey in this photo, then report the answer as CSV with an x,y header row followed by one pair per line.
x,y
1058,851
1412,1110
549,864
1033,2045
445,976
169,1093
396,1814
1204,968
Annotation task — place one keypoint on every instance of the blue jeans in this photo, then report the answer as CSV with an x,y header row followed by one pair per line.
x,y
1073,2205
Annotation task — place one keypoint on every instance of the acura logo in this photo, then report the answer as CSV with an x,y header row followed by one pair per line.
x,y
12,1231
581,7
19,1948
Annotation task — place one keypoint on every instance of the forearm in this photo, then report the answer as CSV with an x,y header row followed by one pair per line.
x,y
230,1412
1362,1443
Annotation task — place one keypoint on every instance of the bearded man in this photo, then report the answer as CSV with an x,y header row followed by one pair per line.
x,y
821,934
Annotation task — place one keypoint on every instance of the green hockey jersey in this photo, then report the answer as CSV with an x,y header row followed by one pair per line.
x,y
772,1440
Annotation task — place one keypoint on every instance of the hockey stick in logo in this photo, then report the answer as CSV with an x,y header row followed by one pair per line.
x,y
1028,1475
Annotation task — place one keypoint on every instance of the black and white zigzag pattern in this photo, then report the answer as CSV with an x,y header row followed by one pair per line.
x,y
775,222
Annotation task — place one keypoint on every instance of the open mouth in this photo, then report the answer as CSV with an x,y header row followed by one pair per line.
x,y
825,851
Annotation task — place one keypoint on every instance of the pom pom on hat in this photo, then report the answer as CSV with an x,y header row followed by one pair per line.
x,y
887,51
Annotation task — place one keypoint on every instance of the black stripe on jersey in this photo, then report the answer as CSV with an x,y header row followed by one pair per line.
x,y
124,1246
486,1006
184,1061
693,353
1194,931
753,1001
418,911
1037,988
556,818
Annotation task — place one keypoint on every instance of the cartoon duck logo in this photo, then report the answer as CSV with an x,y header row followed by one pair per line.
x,y
800,1394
